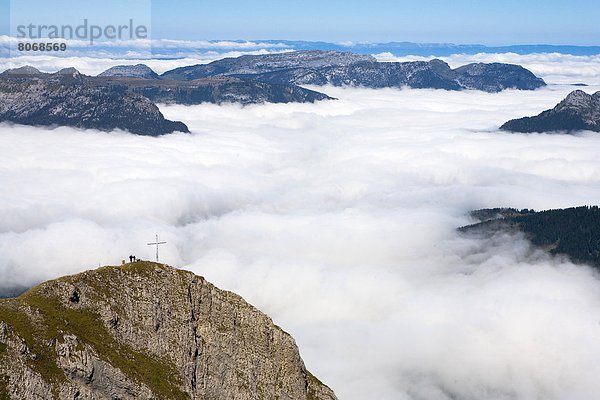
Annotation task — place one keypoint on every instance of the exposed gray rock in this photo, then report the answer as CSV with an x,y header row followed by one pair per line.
x,y
433,74
26,70
131,71
495,77
250,64
335,68
578,111
145,331
123,97
72,72
67,98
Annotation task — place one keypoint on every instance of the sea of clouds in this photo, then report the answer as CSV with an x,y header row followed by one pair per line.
x,y
338,220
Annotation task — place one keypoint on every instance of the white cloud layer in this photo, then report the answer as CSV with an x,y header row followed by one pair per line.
x,y
93,65
338,219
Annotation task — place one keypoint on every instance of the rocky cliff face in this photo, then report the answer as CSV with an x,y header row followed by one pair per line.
x,y
145,331
578,111
68,98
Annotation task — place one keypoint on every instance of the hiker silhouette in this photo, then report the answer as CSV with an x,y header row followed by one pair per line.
x,y
131,258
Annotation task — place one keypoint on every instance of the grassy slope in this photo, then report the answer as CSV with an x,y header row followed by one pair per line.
x,y
53,320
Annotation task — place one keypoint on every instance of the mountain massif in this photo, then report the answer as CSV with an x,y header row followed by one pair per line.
x,y
124,97
67,98
574,232
145,331
339,69
579,111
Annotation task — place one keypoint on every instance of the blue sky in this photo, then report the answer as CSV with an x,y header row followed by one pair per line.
x,y
458,21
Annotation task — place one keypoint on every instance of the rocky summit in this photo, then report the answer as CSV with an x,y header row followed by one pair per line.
x,y
145,331
131,71
579,111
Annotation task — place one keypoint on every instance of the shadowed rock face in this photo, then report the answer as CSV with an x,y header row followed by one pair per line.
x,y
578,111
145,330
336,68
219,90
68,98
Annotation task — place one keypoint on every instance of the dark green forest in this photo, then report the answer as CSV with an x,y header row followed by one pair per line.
x,y
574,232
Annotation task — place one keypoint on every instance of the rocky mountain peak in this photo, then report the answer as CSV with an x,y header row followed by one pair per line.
x,y
577,98
145,331
579,111
25,70
131,71
436,62
67,75
71,71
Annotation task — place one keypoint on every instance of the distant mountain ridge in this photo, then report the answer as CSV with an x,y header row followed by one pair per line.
x,y
177,49
577,112
123,96
258,64
338,69
431,49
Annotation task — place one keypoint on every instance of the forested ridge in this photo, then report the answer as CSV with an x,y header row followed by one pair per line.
x,y
574,232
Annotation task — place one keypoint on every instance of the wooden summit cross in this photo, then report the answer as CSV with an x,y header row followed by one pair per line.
x,y
156,243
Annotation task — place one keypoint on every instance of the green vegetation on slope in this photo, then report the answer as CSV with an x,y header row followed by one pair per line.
x,y
12,312
574,232
56,320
